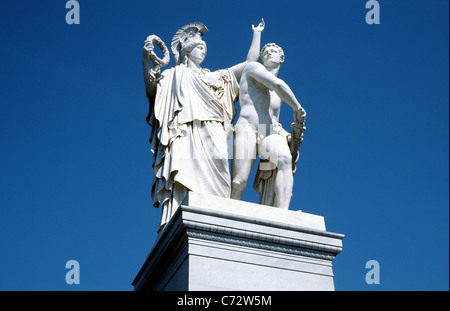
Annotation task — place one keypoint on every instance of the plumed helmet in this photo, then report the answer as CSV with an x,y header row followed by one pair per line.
x,y
185,33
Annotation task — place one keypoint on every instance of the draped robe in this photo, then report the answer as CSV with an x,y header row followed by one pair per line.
x,y
190,115
264,182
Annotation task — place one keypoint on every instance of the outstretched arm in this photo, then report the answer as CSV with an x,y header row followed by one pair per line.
x,y
258,72
253,53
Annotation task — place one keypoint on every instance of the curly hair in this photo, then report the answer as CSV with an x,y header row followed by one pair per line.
x,y
189,45
280,50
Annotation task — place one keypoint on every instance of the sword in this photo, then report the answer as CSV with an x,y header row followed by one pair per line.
x,y
298,127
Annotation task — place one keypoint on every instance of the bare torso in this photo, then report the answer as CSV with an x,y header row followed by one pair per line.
x,y
259,105
261,96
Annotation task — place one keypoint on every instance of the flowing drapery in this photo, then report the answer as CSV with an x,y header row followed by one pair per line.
x,y
189,117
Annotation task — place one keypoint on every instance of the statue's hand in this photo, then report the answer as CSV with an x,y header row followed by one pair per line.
x,y
301,113
148,48
300,116
260,27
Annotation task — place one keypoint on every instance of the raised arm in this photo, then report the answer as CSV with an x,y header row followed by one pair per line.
x,y
149,79
258,72
253,52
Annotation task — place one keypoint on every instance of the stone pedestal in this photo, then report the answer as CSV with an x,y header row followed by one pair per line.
x,y
213,243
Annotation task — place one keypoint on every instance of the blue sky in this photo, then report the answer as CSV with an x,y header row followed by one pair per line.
x,y
76,164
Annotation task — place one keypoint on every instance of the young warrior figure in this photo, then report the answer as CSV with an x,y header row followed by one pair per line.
x,y
258,132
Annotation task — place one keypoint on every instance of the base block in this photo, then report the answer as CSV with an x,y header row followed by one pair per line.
x,y
212,243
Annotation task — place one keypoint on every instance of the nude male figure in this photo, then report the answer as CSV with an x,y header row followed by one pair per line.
x,y
261,96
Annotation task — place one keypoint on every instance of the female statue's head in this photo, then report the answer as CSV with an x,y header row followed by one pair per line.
x,y
193,50
187,44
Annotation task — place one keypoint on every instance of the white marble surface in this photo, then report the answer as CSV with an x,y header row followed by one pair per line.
x,y
213,243
190,111
258,211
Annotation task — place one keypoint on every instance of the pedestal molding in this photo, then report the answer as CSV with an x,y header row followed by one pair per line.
x,y
258,245
224,246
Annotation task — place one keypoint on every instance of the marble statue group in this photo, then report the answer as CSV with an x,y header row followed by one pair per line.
x,y
192,112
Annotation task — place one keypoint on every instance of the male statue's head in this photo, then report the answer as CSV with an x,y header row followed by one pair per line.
x,y
271,55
